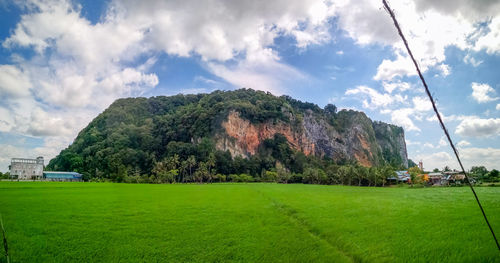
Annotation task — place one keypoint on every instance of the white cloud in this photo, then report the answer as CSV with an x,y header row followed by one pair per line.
x,y
402,117
422,104
340,52
498,107
450,118
470,156
435,160
471,10
479,127
262,72
429,28
429,145
463,143
445,69
442,142
490,41
42,123
482,92
375,98
13,82
396,85
389,69
366,22
487,157
468,59
79,67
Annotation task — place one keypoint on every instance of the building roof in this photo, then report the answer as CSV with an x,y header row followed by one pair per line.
x,y
61,175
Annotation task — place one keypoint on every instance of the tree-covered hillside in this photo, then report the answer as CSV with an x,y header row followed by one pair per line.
x,y
175,138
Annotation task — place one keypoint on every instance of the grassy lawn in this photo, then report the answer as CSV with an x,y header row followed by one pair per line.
x,y
99,222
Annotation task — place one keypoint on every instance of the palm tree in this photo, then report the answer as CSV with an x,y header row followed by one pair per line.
x,y
211,164
191,162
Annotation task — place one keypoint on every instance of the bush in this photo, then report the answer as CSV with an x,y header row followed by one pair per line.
x,y
296,178
245,178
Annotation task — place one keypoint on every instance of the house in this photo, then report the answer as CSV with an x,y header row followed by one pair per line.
x,y
26,169
403,176
436,179
456,178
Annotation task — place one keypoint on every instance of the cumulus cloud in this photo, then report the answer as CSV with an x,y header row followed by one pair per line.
x,y
450,118
482,92
476,127
386,102
403,117
85,66
259,71
487,157
429,145
490,41
470,156
13,82
396,86
374,99
436,160
429,26
468,59
421,104
389,69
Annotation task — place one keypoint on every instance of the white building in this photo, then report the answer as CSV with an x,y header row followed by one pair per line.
x,y
26,169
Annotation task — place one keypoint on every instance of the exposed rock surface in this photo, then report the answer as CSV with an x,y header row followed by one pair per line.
x,y
360,139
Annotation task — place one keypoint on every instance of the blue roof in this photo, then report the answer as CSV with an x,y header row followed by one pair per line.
x,y
62,175
402,173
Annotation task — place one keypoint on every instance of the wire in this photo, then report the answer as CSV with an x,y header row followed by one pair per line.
x,y
6,248
391,13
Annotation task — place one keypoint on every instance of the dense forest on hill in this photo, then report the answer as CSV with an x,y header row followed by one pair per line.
x,y
172,139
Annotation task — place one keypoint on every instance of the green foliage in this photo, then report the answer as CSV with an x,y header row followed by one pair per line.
x,y
411,163
171,139
414,172
314,176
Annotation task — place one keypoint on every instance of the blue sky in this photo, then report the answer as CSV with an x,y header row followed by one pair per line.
x,y
64,62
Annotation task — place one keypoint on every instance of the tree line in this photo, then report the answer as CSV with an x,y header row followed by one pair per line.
x,y
173,169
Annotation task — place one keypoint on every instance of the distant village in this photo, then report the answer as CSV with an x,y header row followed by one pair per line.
x,y
435,178
23,169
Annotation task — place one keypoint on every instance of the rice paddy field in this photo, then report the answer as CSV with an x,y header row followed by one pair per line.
x,y
105,222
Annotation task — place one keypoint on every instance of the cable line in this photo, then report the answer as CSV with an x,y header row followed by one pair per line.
x,y
391,13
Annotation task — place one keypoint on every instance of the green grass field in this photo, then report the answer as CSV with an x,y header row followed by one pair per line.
x,y
101,222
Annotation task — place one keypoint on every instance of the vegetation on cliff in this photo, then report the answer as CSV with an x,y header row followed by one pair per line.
x,y
166,139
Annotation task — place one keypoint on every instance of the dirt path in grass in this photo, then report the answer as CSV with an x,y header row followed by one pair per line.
x,y
291,214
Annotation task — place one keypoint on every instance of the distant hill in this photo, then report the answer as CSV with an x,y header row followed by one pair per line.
x,y
242,131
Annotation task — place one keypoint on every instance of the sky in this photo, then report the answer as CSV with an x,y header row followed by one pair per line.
x,y
64,62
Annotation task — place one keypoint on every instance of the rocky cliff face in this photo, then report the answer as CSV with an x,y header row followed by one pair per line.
x,y
391,139
357,138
